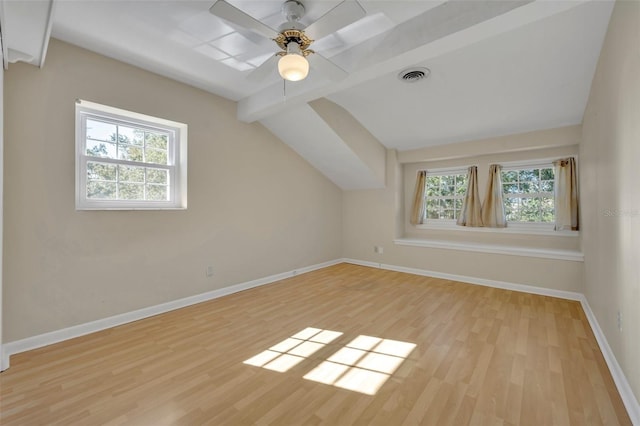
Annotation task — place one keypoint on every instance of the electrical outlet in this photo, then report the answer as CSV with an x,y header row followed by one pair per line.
x,y
378,249
209,271
619,320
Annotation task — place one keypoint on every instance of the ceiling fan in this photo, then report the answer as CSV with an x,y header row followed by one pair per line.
x,y
293,38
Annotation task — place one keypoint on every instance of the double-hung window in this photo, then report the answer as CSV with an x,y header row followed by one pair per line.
x,y
444,194
528,194
127,160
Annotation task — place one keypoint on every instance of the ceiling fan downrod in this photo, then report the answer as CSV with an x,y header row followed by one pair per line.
x,y
291,31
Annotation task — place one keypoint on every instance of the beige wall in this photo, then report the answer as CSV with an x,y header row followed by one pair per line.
x,y
610,156
255,207
1,196
377,217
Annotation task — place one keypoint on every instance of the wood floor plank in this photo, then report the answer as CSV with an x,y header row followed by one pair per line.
x,y
482,356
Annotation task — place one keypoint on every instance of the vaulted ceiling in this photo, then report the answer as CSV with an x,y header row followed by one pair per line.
x,y
496,67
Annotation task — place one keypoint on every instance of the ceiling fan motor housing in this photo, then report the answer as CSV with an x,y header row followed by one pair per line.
x,y
292,35
293,10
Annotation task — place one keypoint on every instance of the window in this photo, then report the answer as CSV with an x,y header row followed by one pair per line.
x,y
127,160
528,194
444,194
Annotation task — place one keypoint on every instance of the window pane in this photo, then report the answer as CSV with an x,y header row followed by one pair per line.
x,y
510,188
131,174
432,209
130,135
130,191
546,186
546,174
446,185
433,182
510,176
157,176
447,214
101,131
529,187
101,190
511,209
157,193
156,156
530,211
529,175
101,171
100,149
461,184
130,153
440,208
156,140
548,211
458,205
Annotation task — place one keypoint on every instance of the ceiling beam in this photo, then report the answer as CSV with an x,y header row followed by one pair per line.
x,y
26,30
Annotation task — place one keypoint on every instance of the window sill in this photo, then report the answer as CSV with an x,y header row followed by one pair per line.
x,y
570,255
150,208
510,229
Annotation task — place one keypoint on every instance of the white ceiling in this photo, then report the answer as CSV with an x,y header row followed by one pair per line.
x,y
534,77
497,67
181,39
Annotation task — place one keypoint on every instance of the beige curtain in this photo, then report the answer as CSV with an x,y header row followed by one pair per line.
x,y
417,211
471,215
493,206
566,194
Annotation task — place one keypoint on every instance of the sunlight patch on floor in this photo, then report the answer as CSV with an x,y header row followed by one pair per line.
x,y
290,352
362,365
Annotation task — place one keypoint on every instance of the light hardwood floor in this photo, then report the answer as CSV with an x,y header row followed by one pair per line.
x,y
481,356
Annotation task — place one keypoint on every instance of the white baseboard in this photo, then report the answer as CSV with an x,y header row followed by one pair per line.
x,y
626,393
472,280
628,398
56,336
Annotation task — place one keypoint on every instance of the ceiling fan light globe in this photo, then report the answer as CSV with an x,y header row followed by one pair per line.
x,y
293,67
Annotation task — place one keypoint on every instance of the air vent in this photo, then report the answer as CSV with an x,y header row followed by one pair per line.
x,y
413,75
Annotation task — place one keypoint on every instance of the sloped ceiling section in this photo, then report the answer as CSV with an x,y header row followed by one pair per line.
x,y
26,27
370,151
304,130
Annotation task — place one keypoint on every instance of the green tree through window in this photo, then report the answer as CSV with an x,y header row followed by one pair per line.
x,y
528,195
444,194
139,149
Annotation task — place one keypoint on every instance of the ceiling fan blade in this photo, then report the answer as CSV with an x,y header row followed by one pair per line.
x,y
340,16
230,13
264,70
325,67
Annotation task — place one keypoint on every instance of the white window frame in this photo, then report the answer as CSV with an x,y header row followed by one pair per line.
x,y
533,227
521,228
176,157
441,223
